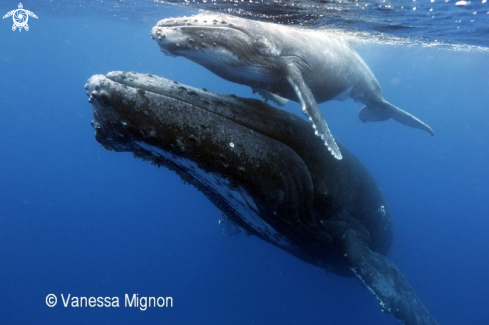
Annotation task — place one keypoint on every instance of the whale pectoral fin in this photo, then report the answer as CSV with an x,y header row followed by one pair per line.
x,y
384,280
385,110
310,108
280,101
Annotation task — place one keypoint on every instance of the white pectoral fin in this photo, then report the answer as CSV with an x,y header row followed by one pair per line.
x,y
10,13
270,96
30,13
386,110
310,108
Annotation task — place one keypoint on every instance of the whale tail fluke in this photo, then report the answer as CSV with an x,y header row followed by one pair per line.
x,y
385,110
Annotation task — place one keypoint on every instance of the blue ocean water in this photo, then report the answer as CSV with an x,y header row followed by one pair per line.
x,y
76,219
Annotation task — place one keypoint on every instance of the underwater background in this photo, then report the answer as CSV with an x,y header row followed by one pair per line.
x,y
77,219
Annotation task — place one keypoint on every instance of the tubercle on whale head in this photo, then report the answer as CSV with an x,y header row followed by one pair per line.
x,y
202,19
99,95
188,38
197,22
199,32
205,18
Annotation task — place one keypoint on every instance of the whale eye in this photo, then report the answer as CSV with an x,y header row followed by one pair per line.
x,y
265,47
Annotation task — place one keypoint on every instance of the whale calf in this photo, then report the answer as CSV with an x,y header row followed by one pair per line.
x,y
265,170
279,62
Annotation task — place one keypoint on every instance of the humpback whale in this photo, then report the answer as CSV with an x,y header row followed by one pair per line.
x,y
280,62
255,163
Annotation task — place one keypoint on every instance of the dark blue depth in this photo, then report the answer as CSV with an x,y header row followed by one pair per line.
x,y
77,219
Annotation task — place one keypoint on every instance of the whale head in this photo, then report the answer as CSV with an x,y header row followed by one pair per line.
x,y
231,47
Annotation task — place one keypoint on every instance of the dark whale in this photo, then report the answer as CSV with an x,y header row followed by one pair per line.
x,y
255,163
307,66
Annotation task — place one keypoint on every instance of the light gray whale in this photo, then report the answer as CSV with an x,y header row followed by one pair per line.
x,y
265,170
281,61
